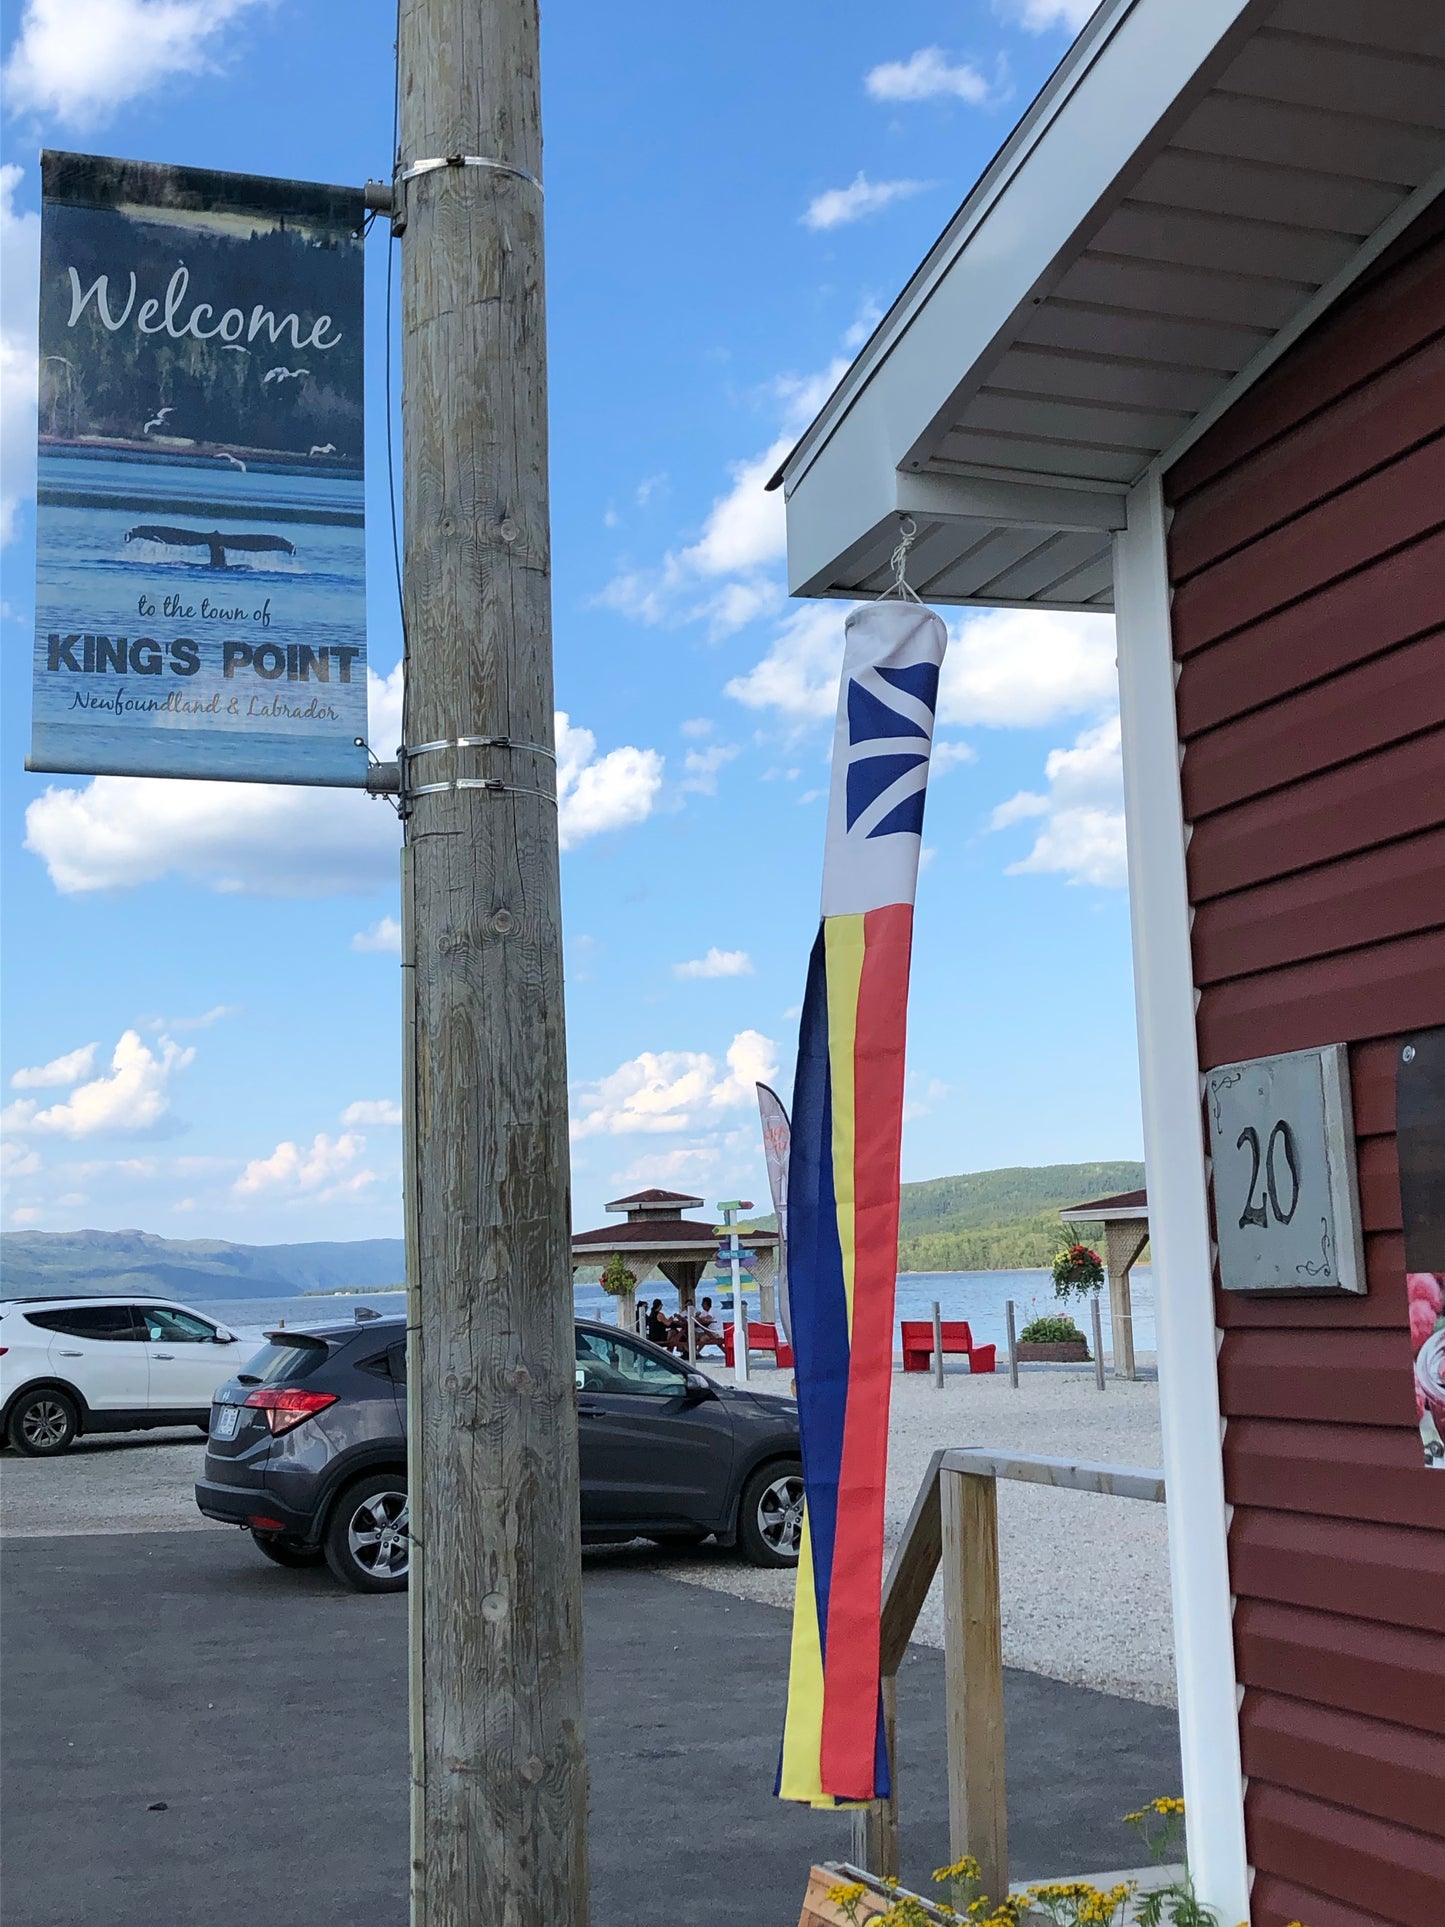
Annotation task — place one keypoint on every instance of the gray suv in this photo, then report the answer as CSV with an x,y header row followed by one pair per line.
x,y
307,1451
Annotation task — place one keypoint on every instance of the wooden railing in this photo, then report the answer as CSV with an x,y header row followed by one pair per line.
x,y
954,1523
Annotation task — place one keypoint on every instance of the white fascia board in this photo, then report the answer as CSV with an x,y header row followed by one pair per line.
x,y
1171,1095
1140,1211
871,502
1020,229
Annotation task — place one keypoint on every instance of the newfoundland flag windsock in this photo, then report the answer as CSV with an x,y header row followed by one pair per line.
x,y
843,1195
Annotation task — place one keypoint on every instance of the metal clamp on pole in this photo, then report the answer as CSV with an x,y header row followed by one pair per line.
x,y
467,160
405,757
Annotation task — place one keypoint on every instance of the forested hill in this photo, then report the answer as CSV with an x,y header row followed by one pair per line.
x,y
192,1268
1001,1220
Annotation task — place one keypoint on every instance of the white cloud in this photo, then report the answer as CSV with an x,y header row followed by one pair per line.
x,y
1038,16
600,793
321,1168
25,1214
702,766
1021,668
19,295
207,1017
840,206
82,59
1005,668
18,1161
697,726
384,935
371,1110
68,1069
1082,830
746,527
692,1165
727,576
799,674
258,839
948,755
921,1096
133,1097
929,75
717,963
660,1092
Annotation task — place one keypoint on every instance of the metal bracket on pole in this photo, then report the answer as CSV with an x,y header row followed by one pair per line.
x,y
407,789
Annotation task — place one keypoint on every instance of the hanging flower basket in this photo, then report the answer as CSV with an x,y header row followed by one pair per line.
x,y
1077,1271
617,1279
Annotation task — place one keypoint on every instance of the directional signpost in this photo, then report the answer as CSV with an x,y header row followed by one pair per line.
x,y
733,1256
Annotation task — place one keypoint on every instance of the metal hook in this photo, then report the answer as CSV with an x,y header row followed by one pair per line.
x,y
898,561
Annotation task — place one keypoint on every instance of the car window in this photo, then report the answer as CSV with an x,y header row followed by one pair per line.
x,y
88,1321
280,1364
166,1327
609,1364
396,1358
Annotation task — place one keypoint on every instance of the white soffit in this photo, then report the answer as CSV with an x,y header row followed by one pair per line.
x,y
1188,191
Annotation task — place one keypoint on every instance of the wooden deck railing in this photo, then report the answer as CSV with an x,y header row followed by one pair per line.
x,y
954,1523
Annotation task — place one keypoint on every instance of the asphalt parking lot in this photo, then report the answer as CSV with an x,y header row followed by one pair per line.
x,y
196,1738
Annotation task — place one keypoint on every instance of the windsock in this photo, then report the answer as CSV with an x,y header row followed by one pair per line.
x,y
843,1195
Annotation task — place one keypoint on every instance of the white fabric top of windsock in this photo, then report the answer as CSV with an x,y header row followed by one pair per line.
x,y
892,655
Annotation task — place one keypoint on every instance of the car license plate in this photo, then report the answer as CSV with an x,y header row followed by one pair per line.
x,y
225,1421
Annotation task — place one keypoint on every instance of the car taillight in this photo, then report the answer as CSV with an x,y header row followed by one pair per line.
x,y
287,1407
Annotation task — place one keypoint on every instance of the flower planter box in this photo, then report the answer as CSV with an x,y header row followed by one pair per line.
x,y
1071,1352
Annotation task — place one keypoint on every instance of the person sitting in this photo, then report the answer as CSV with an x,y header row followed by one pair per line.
x,y
656,1323
707,1328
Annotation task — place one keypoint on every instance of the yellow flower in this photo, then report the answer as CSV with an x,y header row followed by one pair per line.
x,y
965,1869
847,1895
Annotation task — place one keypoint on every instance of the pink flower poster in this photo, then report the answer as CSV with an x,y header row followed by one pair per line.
x,y
1420,1134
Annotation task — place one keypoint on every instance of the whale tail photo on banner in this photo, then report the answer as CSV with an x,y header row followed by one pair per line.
x,y
843,1179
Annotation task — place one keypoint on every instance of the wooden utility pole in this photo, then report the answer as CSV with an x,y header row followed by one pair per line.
x,y
499,1777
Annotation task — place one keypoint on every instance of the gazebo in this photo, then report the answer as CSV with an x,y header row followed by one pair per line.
x,y
1125,1218
656,1237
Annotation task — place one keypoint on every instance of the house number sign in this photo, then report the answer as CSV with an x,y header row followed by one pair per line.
x,y
1286,1196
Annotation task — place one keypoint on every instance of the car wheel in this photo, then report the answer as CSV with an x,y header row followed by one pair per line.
x,y
368,1543
283,1550
43,1423
770,1514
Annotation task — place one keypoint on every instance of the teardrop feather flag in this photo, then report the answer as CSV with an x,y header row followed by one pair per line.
x,y
843,1194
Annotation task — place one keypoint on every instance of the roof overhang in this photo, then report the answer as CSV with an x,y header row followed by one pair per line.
x,y
1198,181
1109,1214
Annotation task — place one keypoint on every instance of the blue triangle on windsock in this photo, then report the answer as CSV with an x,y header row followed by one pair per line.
x,y
869,718
907,815
919,680
870,776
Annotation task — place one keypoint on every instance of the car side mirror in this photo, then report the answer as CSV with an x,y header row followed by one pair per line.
x,y
697,1385
581,1380
224,1337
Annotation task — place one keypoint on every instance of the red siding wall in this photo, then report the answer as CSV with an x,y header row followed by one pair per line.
x,y
1307,553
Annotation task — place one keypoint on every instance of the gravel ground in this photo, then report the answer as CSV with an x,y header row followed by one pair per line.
x,y
1085,1579
111,1482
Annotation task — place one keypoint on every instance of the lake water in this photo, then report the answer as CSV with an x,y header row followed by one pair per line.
x,y
978,1296
152,719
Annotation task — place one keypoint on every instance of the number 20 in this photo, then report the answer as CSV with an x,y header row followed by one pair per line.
x,y
1256,1214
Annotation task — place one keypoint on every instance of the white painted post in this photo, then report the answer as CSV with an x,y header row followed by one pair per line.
x,y
740,1317
937,1347
1098,1325
691,1336
1013,1346
1171,1094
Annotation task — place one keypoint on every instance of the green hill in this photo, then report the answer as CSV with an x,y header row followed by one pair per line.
x,y
1001,1220
209,1268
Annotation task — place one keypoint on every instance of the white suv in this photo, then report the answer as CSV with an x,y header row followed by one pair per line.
x,y
73,1365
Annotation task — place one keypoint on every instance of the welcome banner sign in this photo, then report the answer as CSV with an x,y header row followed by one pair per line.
x,y
200,603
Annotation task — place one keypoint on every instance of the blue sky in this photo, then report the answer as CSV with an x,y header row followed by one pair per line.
x,y
201,1016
